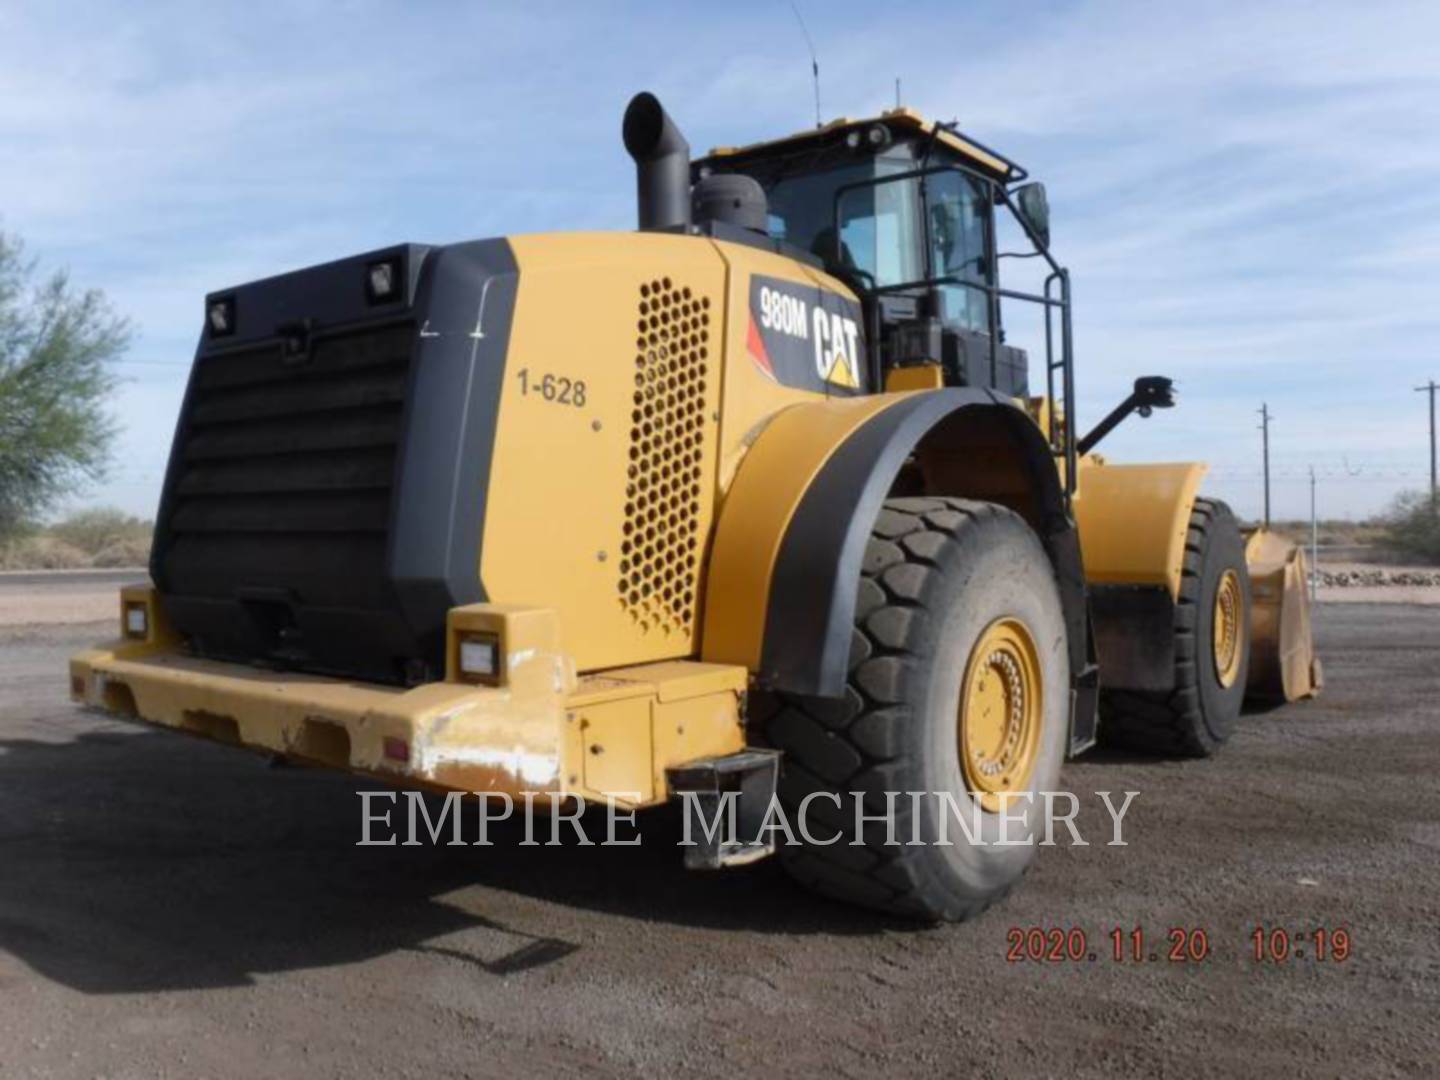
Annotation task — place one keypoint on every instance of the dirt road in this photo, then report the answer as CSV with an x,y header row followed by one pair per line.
x,y
171,908
52,597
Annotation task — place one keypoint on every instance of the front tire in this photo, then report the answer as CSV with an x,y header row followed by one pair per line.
x,y
958,686
1212,650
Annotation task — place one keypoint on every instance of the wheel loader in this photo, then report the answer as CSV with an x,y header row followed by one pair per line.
x,y
753,504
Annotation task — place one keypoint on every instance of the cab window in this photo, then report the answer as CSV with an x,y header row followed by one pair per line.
x,y
874,227
885,233
880,232
890,231
802,205
959,247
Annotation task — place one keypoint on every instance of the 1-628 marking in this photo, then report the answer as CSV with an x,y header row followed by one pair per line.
x,y
557,389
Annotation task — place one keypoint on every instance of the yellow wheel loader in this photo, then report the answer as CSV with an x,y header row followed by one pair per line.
x,y
753,507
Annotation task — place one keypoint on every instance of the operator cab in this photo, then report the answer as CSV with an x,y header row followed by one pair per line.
x,y
903,211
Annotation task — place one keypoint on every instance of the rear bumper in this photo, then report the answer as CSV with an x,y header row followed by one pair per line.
x,y
447,735
606,737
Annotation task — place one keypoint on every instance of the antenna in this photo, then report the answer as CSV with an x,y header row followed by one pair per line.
x,y
814,62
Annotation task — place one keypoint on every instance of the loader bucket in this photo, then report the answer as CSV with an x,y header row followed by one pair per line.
x,y
1283,664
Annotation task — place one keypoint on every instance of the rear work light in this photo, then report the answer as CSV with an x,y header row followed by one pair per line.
x,y
479,658
137,621
220,317
382,281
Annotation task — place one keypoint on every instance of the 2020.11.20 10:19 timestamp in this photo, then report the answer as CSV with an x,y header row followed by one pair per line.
x,y
1176,945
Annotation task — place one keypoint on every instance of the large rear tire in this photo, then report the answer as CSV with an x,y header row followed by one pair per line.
x,y
1212,650
958,685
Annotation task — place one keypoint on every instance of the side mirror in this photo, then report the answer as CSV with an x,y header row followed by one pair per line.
x,y
1153,392
1035,209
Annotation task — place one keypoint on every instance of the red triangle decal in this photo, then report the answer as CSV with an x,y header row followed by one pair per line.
x,y
755,345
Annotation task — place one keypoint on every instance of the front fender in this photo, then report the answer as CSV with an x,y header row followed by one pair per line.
x,y
1133,521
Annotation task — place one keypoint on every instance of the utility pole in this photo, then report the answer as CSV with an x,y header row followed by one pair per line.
x,y
1434,497
1265,419
1314,539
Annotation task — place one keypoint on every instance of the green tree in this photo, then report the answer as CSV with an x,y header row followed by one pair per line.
x,y
1412,527
57,348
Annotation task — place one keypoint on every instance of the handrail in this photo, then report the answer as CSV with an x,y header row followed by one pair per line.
x,y
1056,295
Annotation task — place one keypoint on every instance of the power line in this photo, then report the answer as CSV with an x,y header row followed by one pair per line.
x,y
1265,443
1434,498
1314,540
1288,475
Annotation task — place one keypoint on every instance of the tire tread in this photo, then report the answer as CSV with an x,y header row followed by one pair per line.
x,y
1171,723
867,734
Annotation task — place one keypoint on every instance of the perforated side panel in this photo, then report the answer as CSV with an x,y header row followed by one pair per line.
x,y
660,552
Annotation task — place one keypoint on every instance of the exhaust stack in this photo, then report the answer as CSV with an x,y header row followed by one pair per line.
x,y
662,164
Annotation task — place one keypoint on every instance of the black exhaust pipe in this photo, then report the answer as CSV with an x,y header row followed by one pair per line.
x,y
662,164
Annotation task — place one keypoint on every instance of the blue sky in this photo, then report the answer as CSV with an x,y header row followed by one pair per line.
x,y
1247,194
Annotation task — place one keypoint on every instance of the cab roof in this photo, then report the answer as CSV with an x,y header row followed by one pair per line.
x,y
905,123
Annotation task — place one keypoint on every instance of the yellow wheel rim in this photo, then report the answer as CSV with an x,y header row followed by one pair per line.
x,y
1001,705
1229,630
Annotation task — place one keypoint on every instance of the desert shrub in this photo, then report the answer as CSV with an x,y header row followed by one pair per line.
x,y
129,552
1412,527
102,537
42,552
95,531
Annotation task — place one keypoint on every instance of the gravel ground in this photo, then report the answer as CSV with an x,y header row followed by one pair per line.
x,y
172,908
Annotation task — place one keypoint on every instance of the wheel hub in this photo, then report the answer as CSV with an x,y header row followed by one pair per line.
x,y
1228,631
1001,705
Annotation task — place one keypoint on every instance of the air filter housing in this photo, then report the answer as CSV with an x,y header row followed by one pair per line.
x,y
731,199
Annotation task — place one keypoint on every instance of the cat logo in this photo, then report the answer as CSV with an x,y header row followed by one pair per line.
x,y
835,353
805,337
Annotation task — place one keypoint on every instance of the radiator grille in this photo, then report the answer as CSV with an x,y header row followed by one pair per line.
x,y
660,549
286,468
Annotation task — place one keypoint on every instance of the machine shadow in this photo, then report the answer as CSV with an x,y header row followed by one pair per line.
x,y
1108,753
138,862
1104,753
